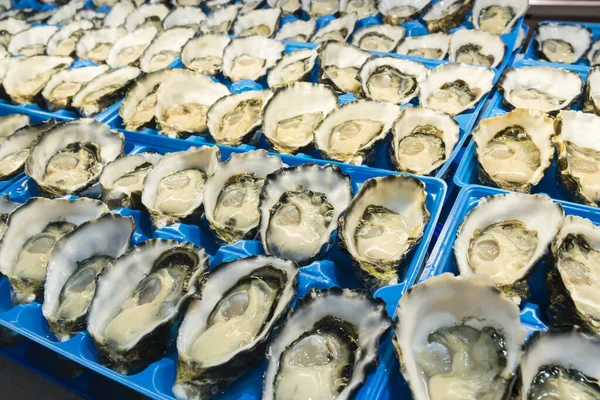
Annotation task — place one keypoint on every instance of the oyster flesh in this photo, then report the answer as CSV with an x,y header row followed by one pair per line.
x,y
63,85
318,8
433,46
292,67
444,15
396,12
128,49
63,42
32,41
10,123
339,66
262,22
338,30
473,47
592,91
250,57
204,54
562,43
95,44
382,38
363,8
164,49
297,31
498,16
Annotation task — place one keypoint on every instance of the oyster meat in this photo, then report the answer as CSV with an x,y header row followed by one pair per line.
x,y
444,15
297,31
250,57
339,66
128,49
63,42
337,30
32,41
318,8
592,91
474,47
263,22
63,85
433,46
382,38
362,8
498,16
204,54
562,43
164,49
396,12
293,67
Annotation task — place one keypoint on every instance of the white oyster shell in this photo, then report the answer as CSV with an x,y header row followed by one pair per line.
x,y
250,57
338,30
63,85
562,43
95,44
32,41
292,67
297,31
469,46
146,14
262,22
498,17
382,38
434,46
204,53
187,17
63,42
26,77
128,49
164,49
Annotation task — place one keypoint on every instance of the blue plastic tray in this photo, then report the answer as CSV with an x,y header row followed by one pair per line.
x,y
530,54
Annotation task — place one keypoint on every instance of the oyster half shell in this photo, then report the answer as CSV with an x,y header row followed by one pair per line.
x,y
592,91
339,66
204,54
382,38
469,46
250,57
63,42
164,49
32,41
395,12
434,46
293,67
562,43
498,16
26,77
63,85
444,15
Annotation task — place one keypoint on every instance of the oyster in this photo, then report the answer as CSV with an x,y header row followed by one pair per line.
x,y
10,123
469,46
338,30
299,209
39,17
287,6
251,5
381,225
433,46
318,8
216,5
7,206
17,147
444,15
32,41
9,27
578,165
262,22
467,348
118,14
224,333
423,139
592,91
173,190
294,112
122,179
102,91
391,79
231,195
95,17
593,55
96,44
326,347
234,118
137,109
505,236
31,233
164,49
26,77
186,17
138,300
540,88
146,15
292,67
183,100
186,3
250,57
455,88
78,258
339,65
63,42
562,43
514,150
382,38
70,156
128,49
396,12
63,85
297,31
65,13
498,16
221,20
349,133
362,8
204,53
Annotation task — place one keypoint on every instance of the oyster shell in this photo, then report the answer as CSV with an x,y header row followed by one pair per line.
x,y
381,225
292,115
593,55
591,102
338,30
122,179
505,236
248,296
128,49
540,88
262,22
63,42
299,208
562,43
339,66
216,5
444,15
292,67
183,100
455,88
164,49
32,41
382,38
349,132
31,233
138,300
391,79
146,15
118,14
250,57
26,77
362,8
65,13
78,258
204,53
433,46
468,347
469,46
186,17
423,139
9,27
96,44
63,85
287,6
514,150
7,206
95,17
221,20
102,91
11,123
396,12
231,195
234,118
318,8
251,5
498,16
297,31
328,344
70,156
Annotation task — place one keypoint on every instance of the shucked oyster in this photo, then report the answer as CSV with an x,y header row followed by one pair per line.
x,y
339,65
146,15
123,178
562,43
337,30
118,13
514,150
592,91
297,31
173,190
7,206
250,57
69,157
187,17
32,41
231,195
318,8
164,49
294,112
263,22
63,85
221,20
498,17
299,209
467,348
327,345
204,53
593,55
433,46
381,225
362,8
287,6
444,15
469,46
382,38
504,237
224,333
63,42
10,123
139,298
293,67
10,26
128,49
73,268
32,230
95,44
395,12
